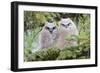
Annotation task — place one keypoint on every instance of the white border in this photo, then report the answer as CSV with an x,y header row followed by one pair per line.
x,y
22,64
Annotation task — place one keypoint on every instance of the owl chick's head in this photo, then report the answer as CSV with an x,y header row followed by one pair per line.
x,y
67,25
50,27
66,22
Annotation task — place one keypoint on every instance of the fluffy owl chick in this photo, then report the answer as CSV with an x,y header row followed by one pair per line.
x,y
48,35
67,28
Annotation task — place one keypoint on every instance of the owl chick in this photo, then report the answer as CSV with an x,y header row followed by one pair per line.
x,y
48,35
67,28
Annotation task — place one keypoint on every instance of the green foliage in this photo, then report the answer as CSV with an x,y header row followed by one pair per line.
x,y
37,19
44,54
72,38
31,37
33,23
57,54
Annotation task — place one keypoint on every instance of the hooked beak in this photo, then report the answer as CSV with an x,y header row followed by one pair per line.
x,y
51,30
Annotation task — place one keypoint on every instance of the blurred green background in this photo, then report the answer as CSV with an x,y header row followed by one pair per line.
x,y
33,23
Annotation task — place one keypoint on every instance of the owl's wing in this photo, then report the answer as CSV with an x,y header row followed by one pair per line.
x,y
45,40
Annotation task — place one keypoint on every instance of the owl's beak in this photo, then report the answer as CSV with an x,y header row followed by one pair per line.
x,y
51,30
